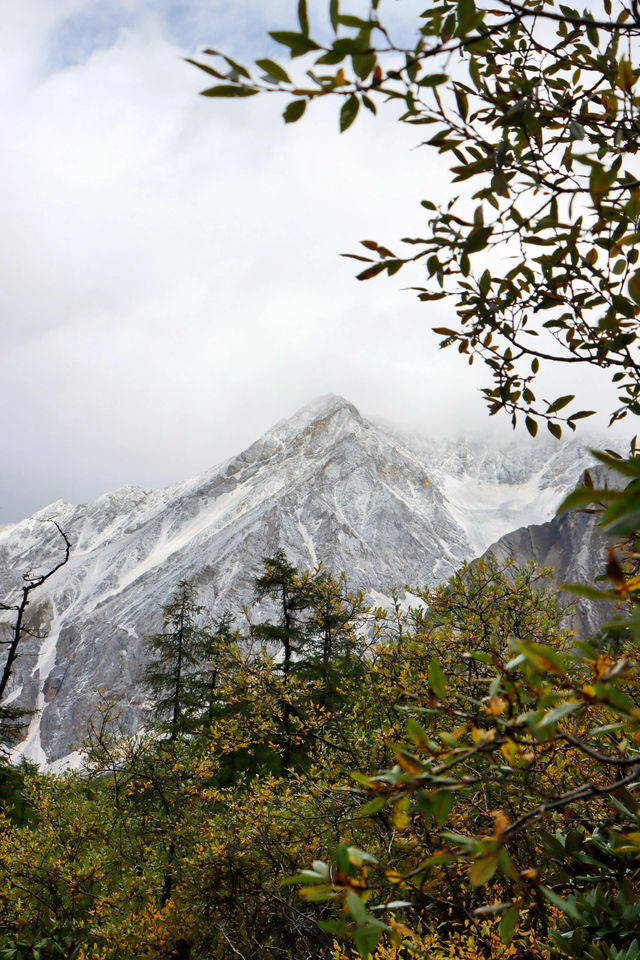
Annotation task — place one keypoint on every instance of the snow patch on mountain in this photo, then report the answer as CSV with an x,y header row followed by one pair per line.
x,y
327,485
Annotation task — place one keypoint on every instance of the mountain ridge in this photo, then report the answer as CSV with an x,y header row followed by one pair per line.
x,y
327,485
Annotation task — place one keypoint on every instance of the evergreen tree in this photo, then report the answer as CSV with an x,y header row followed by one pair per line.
x,y
332,634
281,582
184,671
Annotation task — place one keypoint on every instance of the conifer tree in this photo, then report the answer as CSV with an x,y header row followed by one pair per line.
x,y
281,582
184,671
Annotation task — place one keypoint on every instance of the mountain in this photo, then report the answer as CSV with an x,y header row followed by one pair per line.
x,y
326,485
573,546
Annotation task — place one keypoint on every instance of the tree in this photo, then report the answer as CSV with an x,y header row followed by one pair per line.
x,y
532,102
182,675
281,583
11,718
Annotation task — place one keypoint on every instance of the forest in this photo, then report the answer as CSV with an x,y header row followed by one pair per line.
x,y
453,778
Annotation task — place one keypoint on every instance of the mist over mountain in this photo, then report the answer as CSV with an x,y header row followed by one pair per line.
x,y
326,485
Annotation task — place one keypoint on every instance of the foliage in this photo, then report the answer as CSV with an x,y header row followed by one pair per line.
x,y
533,106
179,847
182,674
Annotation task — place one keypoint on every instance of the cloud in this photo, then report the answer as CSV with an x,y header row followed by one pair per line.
x,y
171,284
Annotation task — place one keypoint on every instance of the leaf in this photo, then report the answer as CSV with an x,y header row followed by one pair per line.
x,y
294,110
567,906
433,80
562,710
303,16
483,869
372,271
227,90
508,924
590,593
274,70
436,679
634,286
623,522
560,403
334,13
372,807
417,733
477,239
462,102
365,940
298,43
531,425
402,813
356,907
555,429
584,496
209,70
348,113
356,22
363,64
441,805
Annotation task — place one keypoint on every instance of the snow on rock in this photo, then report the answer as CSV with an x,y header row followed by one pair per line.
x,y
327,486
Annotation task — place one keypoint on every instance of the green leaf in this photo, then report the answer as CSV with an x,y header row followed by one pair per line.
x,y
584,496
462,102
356,907
294,110
356,22
372,807
623,523
483,869
477,239
366,939
508,925
226,90
417,733
298,43
560,403
634,286
436,679
567,906
531,425
209,70
274,70
303,16
590,593
372,271
441,805
433,80
555,429
562,710
348,113
334,13
363,64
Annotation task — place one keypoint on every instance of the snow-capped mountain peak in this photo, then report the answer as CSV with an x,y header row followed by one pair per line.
x,y
326,485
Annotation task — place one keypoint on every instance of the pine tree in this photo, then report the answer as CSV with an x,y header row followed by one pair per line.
x,y
282,583
183,674
332,634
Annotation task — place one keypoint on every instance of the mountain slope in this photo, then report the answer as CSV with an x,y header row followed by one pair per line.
x,y
326,485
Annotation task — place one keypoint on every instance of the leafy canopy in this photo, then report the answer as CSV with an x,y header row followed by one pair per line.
x,y
534,107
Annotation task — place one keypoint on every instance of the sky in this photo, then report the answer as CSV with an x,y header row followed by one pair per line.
x,y
171,284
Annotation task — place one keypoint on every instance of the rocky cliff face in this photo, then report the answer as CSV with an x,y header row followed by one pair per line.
x,y
573,546
326,485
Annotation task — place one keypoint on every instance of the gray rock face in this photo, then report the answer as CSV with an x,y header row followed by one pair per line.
x,y
574,547
327,486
